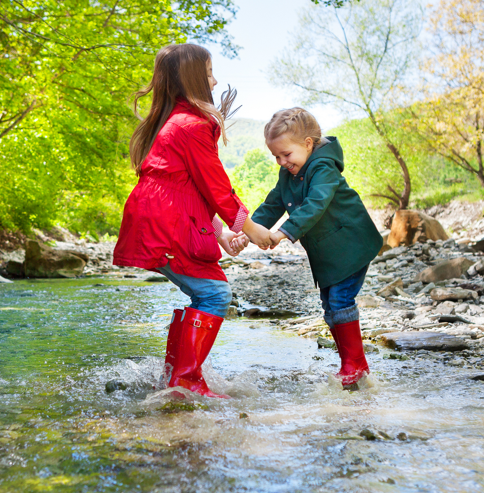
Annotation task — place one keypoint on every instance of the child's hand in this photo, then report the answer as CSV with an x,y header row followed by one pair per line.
x,y
232,243
257,234
276,238
239,242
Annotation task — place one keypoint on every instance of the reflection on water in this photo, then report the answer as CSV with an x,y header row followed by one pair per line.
x,y
416,426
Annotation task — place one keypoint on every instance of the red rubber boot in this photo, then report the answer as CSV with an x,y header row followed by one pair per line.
x,y
350,348
172,343
196,335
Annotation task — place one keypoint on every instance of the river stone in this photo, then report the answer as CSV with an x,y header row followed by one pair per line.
x,y
431,341
326,343
410,227
256,265
389,289
268,313
477,268
453,294
42,261
367,301
447,269
231,313
445,308
4,281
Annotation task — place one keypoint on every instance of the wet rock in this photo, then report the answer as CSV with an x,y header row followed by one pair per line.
x,y
397,356
456,362
159,278
326,343
15,268
113,385
42,261
454,294
475,269
370,348
431,341
479,246
4,281
449,318
269,313
256,265
243,416
389,289
477,378
409,315
427,288
402,436
367,434
390,254
231,313
447,269
410,227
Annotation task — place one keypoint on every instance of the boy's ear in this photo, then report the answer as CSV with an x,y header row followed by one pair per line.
x,y
309,143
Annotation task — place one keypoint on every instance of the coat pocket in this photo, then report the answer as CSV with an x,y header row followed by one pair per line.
x,y
203,245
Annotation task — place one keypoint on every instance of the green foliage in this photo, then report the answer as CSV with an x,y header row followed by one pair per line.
x,y
370,167
254,178
244,135
67,70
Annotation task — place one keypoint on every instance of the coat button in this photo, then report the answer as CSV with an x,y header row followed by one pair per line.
x,y
233,191
169,256
204,230
289,205
302,178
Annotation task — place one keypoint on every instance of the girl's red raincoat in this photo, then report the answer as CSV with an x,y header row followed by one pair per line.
x,y
183,184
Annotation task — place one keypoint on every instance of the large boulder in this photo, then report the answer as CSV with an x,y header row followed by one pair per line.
x,y
448,269
410,227
43,261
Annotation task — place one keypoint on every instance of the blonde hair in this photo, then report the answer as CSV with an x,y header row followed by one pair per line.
x,y
298,123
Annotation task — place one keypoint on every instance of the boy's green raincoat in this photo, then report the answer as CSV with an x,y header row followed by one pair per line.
x,y
325,214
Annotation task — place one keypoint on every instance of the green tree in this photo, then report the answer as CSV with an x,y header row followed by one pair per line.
x,y
66,72
254,178
357,57
451,118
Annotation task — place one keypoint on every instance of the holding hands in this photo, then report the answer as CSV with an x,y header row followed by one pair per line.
x,y
234,243
261,236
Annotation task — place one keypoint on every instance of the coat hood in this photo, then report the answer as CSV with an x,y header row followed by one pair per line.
x,y
332,151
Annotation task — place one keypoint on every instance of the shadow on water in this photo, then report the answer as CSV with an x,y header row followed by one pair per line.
x,y
416,425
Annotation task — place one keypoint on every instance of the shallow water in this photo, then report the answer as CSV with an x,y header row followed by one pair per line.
x,y
288,428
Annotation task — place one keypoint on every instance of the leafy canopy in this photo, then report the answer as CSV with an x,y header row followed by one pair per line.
x,y
67,70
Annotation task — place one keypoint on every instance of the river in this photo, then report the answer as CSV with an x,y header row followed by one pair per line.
x,y
415,426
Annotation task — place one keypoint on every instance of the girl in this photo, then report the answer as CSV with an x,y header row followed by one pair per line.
x,y
169,223
329,219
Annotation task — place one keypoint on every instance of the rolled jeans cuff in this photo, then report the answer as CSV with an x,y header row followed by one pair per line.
x,y
345,315
328,318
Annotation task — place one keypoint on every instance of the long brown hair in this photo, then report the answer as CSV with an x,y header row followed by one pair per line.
x,y
180,71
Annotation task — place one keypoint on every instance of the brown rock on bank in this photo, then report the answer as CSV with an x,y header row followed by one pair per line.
x,y
410,227
448,269
41,261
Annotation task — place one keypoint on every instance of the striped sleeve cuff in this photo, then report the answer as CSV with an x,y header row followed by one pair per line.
x,y
282,230
218,225
240,220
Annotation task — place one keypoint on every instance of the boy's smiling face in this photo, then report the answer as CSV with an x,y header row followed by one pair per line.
x,y
289,154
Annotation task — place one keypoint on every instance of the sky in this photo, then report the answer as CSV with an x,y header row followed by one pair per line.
x,y
263,29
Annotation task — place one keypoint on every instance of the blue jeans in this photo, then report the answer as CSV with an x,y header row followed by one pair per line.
x,y
339,300
207,295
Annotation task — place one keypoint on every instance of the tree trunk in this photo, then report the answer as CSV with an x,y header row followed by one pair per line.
x,y
404,197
